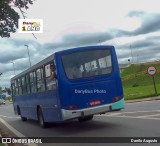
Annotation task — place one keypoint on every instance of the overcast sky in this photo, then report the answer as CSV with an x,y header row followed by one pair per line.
x,y
126,24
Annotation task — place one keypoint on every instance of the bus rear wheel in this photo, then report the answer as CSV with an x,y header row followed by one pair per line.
x,y
87,118
42,123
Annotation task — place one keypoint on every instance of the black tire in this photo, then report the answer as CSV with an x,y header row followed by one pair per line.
x,y
22,118
87,118
116,110
42,123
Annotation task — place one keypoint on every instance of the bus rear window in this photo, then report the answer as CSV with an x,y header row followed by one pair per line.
x,y
87,63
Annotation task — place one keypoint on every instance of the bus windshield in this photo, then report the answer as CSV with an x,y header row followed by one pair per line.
x,y
87,63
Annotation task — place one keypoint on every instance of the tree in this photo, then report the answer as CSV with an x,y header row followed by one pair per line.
x,y
9,17
8,90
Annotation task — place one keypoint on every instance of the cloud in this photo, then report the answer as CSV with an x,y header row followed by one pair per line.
x,y
153,38
138,44
9,56
75,40
142,51
13,49
87,38
150,22
136,13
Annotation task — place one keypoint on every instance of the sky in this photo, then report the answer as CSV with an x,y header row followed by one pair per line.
x,y
132,26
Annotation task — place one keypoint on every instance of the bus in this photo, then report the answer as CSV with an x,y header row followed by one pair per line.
x,y
70,84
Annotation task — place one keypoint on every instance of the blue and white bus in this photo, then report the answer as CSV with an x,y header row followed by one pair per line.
x,y
70,84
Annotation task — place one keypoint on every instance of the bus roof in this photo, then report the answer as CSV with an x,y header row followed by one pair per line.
x,y
86,47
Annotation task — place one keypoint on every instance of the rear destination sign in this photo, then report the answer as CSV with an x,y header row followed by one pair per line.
x,y
152,70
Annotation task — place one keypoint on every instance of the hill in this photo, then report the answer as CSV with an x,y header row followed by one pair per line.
x,y
136,81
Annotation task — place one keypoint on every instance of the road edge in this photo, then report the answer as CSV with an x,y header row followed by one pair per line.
x,y
143,99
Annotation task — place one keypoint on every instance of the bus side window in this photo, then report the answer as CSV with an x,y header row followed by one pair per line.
x,y
49,76
19,86
28,84
40,80
33,82
13,88
23,85
16,87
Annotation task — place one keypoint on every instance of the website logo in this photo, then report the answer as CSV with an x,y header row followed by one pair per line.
x,y
30,26
6,140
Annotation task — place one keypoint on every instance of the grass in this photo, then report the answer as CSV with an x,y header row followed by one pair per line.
x,y
138,84
140,92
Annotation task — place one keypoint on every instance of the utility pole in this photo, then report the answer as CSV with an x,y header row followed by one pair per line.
x,y
28,55
131,54
13,68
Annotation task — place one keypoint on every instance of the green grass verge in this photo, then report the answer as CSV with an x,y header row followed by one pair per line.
x,y
137,83
140,92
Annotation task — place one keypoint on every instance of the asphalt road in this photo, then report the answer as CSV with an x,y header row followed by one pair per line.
x,y
140,119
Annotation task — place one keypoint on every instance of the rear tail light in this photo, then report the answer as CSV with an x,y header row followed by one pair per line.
x,y
116,98
72,107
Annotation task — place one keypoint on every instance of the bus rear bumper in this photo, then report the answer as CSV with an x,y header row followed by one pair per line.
x,y
71,114
118,105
